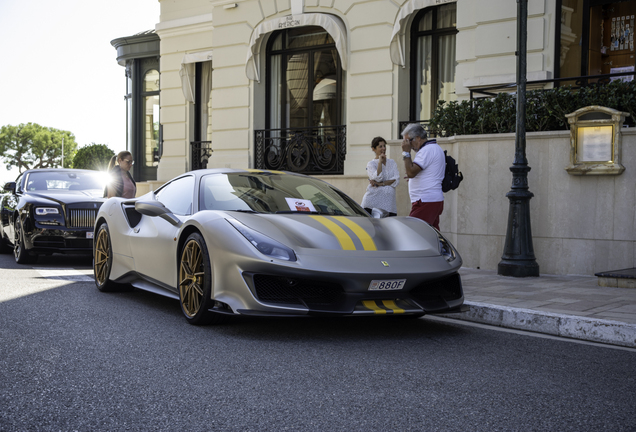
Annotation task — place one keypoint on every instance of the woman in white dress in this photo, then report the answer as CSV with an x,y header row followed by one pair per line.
x,y
383,179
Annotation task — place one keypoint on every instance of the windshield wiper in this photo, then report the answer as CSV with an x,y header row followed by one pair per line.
x,y
244,211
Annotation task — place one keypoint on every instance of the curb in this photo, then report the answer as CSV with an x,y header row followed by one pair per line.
x,y
569,326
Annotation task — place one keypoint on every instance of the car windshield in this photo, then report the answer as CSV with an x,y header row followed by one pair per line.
x,y
266,192
58,181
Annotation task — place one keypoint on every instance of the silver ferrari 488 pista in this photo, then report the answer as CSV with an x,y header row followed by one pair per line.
x,y
269,243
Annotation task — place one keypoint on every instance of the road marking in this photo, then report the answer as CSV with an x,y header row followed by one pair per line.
x,y
66,274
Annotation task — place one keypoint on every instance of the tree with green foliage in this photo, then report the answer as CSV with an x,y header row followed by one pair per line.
x,y
30,146
93,156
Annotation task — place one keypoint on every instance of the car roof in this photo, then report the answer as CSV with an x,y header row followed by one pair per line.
x,y
207,171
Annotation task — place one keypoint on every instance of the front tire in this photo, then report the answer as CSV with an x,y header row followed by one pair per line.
x,y
103,262
20,252
195,283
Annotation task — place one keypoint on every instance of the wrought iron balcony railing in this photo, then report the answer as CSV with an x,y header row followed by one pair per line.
x,y
573,82
313,151
200,152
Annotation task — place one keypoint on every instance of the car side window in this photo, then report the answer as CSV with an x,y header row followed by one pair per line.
x,y
177,195
18,183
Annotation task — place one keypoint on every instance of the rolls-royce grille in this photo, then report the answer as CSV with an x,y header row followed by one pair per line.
x,y
448,288
310,293
82,218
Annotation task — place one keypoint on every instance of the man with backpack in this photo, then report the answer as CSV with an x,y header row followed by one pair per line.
x,y
425,172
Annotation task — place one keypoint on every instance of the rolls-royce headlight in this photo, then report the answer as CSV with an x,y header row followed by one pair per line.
x,y
446,249
43,211
264,244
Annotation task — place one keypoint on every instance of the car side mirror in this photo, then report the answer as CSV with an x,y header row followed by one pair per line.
x,y
379,213
154,209
9,187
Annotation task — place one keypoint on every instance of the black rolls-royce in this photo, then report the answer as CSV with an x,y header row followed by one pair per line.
x,y
48,211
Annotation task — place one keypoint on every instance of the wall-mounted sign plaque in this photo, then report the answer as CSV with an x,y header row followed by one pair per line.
x,y
595,141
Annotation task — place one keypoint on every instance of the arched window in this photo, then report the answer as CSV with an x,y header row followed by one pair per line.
x,y
433,35
305,85
304,104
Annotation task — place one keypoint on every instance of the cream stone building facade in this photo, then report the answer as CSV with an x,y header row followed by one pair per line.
x,y
375,58
239,78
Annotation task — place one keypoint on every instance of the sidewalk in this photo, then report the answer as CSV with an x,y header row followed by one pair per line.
x,y
568,306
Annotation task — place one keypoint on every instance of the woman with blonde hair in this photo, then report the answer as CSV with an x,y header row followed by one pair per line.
x,y
122,183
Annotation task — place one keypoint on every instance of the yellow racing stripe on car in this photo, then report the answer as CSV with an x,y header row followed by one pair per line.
x,y
371,305
343,238
390,304
365,238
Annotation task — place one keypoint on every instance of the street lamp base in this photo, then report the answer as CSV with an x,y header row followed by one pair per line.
x,y
518,268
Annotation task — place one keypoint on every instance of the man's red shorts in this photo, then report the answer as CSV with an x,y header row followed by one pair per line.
x,y
427,211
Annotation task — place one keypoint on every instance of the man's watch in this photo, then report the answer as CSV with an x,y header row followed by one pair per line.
x,y
406,154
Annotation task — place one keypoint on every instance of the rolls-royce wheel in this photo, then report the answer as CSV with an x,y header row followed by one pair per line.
x,y
195,283
4,248
21,254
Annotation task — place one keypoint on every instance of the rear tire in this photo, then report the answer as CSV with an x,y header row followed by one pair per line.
x,y
195,283
21,254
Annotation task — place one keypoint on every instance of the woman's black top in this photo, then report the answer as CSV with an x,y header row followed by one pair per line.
x,y
118,182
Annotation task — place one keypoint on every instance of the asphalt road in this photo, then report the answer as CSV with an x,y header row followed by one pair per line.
x,y
72,358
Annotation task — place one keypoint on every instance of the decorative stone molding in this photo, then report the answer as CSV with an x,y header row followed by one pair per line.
x,y
567,36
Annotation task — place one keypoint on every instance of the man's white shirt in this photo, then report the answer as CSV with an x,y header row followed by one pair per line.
x,y
427,184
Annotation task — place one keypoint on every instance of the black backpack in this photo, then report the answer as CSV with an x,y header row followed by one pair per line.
x,y
452,177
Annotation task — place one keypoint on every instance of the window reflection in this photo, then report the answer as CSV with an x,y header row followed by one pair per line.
x,y
151,130
434,31
150,145
273,193
304,90
151,81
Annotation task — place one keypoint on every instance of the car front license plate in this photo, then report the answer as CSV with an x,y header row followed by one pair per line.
x,y
387,285
89,234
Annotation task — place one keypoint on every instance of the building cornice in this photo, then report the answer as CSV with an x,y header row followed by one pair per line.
x,y
141,45
184,25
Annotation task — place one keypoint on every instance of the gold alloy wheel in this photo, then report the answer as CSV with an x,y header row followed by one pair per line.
x,y
102,252
191,278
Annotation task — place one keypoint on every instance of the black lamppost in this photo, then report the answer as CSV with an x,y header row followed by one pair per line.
x,y
518,258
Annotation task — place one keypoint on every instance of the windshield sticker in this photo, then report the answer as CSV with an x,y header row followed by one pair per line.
x,y
296,204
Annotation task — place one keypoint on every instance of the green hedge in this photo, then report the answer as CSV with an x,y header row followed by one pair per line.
x,y
545,109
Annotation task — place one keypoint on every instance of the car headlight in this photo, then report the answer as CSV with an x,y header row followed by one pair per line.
x,y
446,249
43,211
264,244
